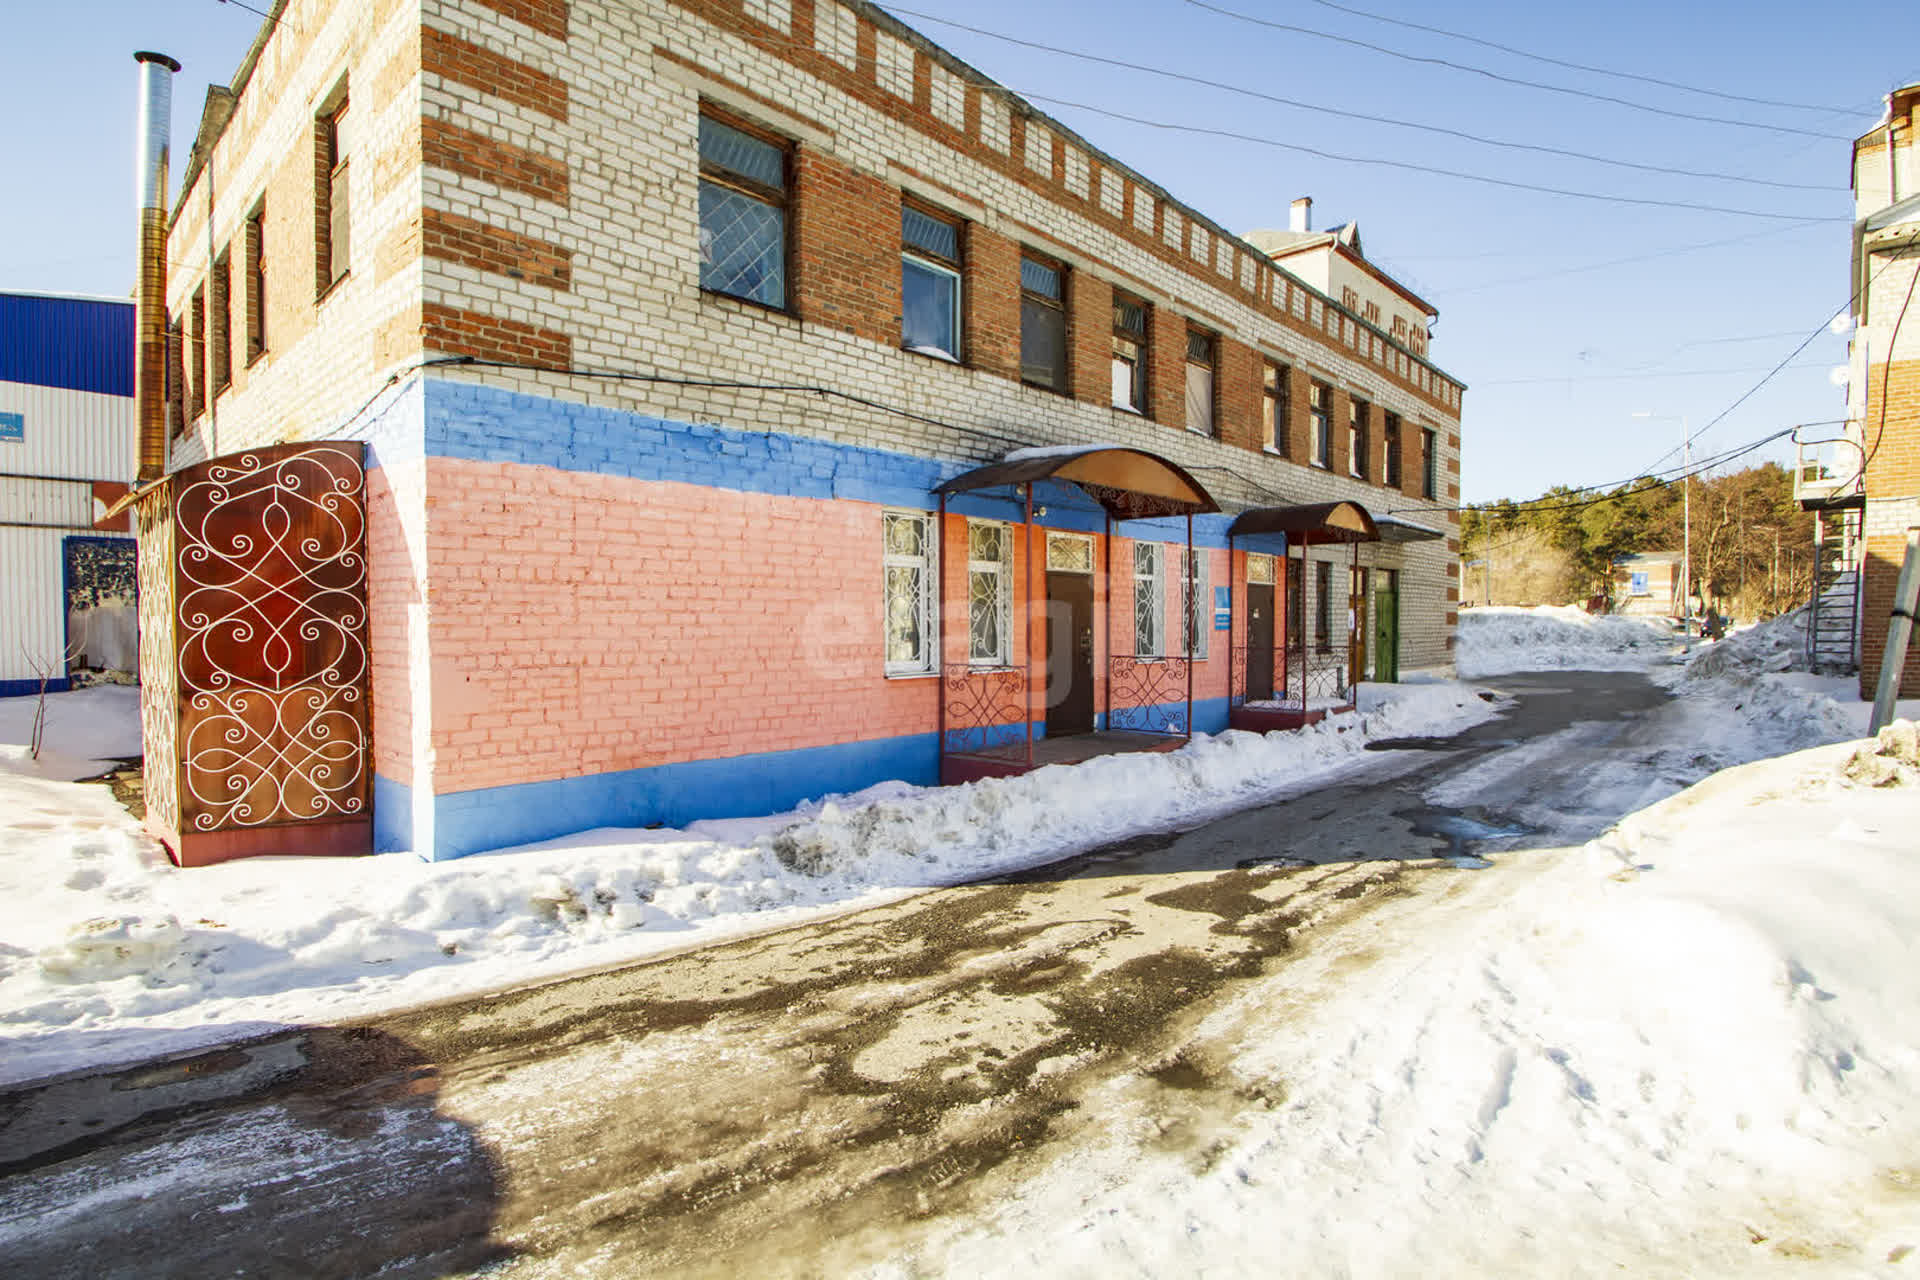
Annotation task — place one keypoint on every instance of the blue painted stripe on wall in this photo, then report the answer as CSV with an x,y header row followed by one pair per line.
x,y
392,815
31,688
486,424
672,794
75,344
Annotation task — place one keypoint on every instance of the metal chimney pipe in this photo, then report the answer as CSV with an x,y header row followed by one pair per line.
x,y
154,126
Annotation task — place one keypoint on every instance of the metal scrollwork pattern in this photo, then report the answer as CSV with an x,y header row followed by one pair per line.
x,y
159,679
272,579
986,709
1147,695
1321,680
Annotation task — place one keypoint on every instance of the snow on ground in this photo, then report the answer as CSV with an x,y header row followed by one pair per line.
x,y
109,952
1690,1048
1498,638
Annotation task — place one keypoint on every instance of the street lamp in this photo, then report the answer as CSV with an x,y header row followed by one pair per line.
x,y
1686,513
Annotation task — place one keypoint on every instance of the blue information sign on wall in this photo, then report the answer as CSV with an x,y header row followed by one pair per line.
x,y
13,426
1222,608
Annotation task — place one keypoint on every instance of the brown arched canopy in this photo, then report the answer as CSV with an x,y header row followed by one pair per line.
x,y
1131,484
1319,522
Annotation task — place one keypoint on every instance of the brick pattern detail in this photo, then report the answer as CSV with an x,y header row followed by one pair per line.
x,y
459,332
448,146
548,17
454,238
1090,337
991,301
1892,425
462,61
847,240
1884,555
1236,393
1167,375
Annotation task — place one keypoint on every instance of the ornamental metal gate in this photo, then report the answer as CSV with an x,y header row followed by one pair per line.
x,y
254,654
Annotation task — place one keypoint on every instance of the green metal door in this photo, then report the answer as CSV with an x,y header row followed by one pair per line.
x,y
1386,629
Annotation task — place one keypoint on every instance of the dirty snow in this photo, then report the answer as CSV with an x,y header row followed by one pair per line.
x,y
1498,638
109,952
1689,1048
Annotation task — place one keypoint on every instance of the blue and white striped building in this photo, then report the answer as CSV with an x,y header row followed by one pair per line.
x,y
66,451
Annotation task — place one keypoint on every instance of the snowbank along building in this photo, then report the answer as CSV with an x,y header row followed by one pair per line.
x,y
756,401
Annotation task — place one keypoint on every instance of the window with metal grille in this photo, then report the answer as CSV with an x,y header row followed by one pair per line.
x,y
332,214
929,283
1273,408
1200,382
1196,611
744,185
1429,465
1359,423
989,593
1149,600
1067,553
221,287
908,544
1043,323
256,269
1323,606
1390,441
1129,353
1320,422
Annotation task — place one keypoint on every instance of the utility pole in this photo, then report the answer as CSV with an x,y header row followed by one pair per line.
x,y
1686,518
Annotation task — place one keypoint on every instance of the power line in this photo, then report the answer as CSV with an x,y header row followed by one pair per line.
x,y
1368,117
1579,66
1641,257
1469,69
1633,377
1641,201
238,4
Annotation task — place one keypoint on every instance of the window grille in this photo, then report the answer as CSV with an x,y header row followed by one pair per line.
x,y
743,214
929,283
1067,553
1148,600
989,594
1196,605
911,578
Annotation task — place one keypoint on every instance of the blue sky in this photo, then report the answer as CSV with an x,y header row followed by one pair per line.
x,y
1563,315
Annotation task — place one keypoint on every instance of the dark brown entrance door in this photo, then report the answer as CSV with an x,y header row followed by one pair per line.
x,y
1069,653
1357,620
1259,641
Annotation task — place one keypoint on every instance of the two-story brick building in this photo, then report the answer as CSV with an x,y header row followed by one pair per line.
x,y
664,320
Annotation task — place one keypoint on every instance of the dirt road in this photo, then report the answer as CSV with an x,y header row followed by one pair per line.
x,y
808,1101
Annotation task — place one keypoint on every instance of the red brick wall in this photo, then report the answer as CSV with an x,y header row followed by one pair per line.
x,y
447,146
847,245
453,238
990,297
492,73
453,331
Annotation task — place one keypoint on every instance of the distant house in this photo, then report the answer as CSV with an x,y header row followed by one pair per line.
x,y
66,440
1651,584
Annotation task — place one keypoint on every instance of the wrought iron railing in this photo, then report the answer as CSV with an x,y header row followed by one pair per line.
x,y
985,710
1318,676
1148,695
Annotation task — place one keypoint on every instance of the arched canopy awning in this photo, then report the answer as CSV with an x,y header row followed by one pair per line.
x,y
1131,484
1319,522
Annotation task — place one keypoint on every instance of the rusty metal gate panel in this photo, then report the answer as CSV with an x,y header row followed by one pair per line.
x,y
269,649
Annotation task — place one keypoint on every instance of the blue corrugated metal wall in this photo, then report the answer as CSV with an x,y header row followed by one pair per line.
x,y
78,344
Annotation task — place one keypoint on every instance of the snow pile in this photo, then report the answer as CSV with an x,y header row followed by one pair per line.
x,y
1498,638
87,730
1778,644
1689,1051
110,951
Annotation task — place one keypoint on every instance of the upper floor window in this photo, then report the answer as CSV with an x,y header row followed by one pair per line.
x,y
908,560
1200,355
929,283
1320,422
989,593
332,215
221,285
1400,330
1349,297
1359,422
1273,408
744,184
177,374
1043,323
256,270
1129,353
1390,441
1429,464
197,354
1371,313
